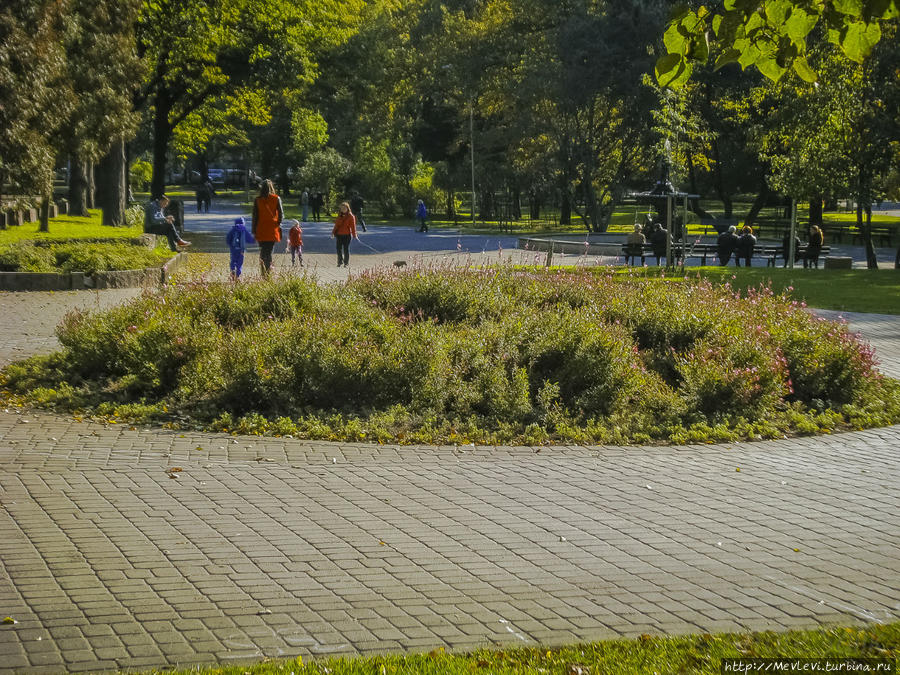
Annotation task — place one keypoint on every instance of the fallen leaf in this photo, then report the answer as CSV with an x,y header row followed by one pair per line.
x,y
9,619
174,469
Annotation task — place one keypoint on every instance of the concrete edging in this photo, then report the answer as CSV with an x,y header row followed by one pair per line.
x,y
73,281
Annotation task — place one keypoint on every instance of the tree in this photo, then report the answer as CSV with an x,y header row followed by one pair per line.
x,y
771,35
198,50
836,137
102,71
35,104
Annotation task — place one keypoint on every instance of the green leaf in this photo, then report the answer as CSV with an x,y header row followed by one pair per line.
x,y
798,25
699,50
673,71
749,55
769,67
859,39
777,11
674,40
666,64
801,67
730,55
852,8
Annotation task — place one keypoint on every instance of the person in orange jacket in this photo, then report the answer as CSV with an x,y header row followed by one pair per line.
x,y
267,216
295,241
344,229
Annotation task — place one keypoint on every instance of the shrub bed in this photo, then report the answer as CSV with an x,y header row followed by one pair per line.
x,y
79,256
458,356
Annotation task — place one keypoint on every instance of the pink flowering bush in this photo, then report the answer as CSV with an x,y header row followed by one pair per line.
x,y
493,355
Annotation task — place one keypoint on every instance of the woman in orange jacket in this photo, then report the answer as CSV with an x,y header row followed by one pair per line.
x,y
267,216
344,229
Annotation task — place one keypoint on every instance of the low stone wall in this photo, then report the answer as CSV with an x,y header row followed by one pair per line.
x,y
73,281
833,262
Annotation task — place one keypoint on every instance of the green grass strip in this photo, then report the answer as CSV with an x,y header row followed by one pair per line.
x,y
701,654
66,228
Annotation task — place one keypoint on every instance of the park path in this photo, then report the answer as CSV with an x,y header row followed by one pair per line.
x,y
124,547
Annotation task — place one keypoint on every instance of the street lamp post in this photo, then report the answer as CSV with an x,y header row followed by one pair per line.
x,y
472,152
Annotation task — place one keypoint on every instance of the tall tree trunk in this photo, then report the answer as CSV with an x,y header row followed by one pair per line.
x,y
162,132
565,208
45,213
815,210
487,205
761,198
694,202
516,203
91,189
112,185
534,205
720,184
77,187
451,210
865,227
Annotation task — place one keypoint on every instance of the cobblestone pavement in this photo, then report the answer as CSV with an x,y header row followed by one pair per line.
x,y
126,547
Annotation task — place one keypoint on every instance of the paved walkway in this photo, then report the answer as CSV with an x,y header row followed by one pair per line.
x,y
126,547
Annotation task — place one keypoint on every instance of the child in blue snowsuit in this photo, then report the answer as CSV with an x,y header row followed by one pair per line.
x,y
237,239
422,216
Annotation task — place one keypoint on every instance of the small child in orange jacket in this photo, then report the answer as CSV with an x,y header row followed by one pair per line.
x,y
295,242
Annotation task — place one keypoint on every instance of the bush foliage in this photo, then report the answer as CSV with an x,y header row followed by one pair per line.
x,y
87,257
459,355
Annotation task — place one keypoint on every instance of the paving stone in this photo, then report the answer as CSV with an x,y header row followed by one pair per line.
x,y
118,566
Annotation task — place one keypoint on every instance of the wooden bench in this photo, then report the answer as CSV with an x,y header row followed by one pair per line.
x,y
770,253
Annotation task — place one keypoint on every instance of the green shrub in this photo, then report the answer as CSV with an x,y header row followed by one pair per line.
x,y
26,257
484,356
78,256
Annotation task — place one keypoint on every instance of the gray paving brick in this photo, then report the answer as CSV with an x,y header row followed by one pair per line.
x,y
122,568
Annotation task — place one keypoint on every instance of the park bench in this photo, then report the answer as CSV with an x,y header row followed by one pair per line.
x,y
771,253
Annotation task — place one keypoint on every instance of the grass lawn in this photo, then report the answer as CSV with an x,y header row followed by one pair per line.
x,y
66,228
844,290
702,654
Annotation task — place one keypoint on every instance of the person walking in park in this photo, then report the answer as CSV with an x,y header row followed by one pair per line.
x,y
316,203
209,192
304,205
422,216
726,243
356,207
659,240
237,239
344,230
634,245
267,216
200,195
745,245
813,247
295,242
157,222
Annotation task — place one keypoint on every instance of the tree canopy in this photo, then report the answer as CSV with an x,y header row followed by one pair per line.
x,y
771,35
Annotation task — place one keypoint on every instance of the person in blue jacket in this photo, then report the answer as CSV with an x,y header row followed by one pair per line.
x,y
422,216
237,239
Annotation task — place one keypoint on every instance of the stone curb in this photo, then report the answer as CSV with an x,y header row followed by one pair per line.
x,y
36,281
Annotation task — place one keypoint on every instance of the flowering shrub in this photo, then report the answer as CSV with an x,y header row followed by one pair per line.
x,y
458,355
